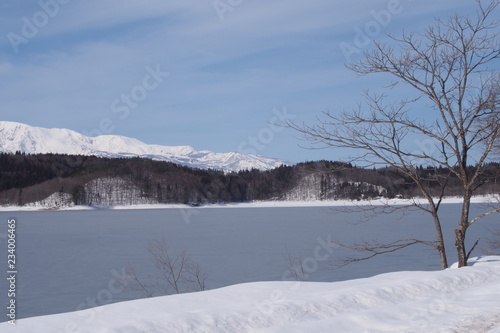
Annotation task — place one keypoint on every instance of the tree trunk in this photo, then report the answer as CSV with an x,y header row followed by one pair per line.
x,y
442,257
462,230
441,248
460,245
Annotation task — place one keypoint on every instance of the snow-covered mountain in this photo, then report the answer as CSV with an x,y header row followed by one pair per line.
x,y
36,140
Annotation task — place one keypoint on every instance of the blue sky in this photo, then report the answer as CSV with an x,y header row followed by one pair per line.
x,y
213,74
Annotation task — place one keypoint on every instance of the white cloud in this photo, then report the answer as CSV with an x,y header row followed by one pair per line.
x,y
265,53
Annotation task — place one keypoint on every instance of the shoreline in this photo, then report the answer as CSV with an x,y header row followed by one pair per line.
x,y
253,204
410,297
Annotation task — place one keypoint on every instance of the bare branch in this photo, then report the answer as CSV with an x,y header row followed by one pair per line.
x,y
375,248
472,248
448,64
484,215
137,283
174,274
295,265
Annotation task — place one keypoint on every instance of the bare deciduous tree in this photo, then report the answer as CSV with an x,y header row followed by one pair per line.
x,y
295,265
176,274
450,68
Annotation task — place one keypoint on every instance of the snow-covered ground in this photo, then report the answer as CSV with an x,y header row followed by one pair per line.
x,y
453,300
256,204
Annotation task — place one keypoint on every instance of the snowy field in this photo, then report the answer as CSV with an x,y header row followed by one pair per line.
x,y
454,300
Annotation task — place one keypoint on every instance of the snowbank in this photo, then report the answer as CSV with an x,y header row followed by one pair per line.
x,y
454,300
256,204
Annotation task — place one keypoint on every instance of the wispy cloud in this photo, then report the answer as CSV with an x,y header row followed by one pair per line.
x,y
264,54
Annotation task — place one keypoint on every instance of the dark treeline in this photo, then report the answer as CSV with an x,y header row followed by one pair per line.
x,y
30,178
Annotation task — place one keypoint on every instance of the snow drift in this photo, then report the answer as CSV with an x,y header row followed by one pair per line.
x,y
453,300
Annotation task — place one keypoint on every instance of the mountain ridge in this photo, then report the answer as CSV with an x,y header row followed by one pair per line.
x,y
28,139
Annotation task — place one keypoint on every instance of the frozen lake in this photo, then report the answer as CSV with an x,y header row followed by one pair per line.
x,y
67,258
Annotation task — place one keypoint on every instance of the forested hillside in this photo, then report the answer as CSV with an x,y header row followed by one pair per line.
x,y
88,180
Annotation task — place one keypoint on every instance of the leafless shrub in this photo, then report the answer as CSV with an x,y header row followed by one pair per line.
x,y
295,265
175,273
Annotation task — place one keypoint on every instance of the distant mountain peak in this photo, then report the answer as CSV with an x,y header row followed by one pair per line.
x,y
37,140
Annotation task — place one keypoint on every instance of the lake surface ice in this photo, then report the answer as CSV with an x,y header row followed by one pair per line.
x,y
69,260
